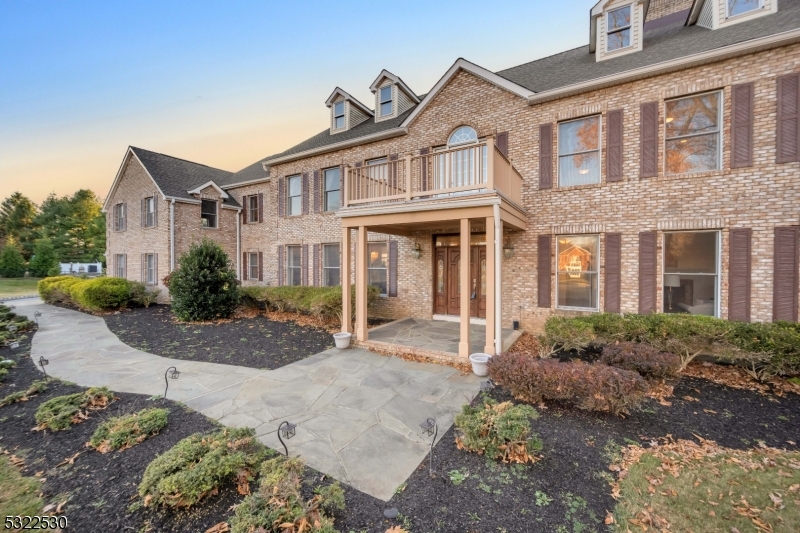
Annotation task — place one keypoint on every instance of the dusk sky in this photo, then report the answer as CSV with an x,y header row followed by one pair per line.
x,y
226,83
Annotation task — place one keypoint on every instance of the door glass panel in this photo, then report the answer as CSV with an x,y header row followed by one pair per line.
x,y
458,276
440,277
483,276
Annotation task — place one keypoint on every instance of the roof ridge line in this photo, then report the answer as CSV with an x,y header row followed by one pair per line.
x,y
181,159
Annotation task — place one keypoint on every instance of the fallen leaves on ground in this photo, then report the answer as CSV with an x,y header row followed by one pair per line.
x,y
69,460
527,344
222,527
396,529
738,378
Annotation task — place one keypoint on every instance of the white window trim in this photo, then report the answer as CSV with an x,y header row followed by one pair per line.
x,y
339,268
343,115
391,101
288,268
728,16
718,284
617,30
216,214
289,197
119,222
325,190
250,264
599,150
599,258
720,132
150,215
250,211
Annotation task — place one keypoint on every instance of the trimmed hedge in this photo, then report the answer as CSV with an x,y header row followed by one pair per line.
x,y
322,302
95,294
774,346
647,360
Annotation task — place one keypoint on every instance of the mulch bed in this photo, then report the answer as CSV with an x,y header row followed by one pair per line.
x,y
256,342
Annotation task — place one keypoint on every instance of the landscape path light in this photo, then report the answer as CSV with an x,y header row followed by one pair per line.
x,y
487,386
36,315
43,363
12,328
430,427
173,374
287,430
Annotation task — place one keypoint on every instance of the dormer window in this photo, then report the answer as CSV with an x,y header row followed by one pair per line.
x,y
386,100
618,27
739,7
338,115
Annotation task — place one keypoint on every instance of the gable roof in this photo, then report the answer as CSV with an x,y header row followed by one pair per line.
x,y
176,177
347,96
396,80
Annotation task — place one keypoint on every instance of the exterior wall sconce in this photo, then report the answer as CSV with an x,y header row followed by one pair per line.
x,y
416,253
286,430
508,250
430,427
173,374
43,363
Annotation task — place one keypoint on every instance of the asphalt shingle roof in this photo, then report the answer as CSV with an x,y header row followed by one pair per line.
x,y
175,177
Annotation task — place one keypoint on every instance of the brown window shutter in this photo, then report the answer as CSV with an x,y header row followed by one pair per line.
x,y
544,271
742,125
244,209
143,209
244,266
424,164
305,193
304,266
785,282
115,214
392,269
502,143
613,275
281,280
317,192
739,275
648,140
124,265
260,266
281,197
260,207
546,158
155,209
788,123
647,272
614,146
315,264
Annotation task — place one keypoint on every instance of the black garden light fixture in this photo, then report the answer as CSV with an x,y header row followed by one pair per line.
x,y
12,328
43,363
173,373
286,430
36,315
430,427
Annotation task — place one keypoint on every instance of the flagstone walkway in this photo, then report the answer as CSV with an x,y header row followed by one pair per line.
x,y
357,413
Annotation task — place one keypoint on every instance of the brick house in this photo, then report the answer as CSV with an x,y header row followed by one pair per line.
x,y
655,170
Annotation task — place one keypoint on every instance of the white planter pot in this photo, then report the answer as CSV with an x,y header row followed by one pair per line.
x,y
342,340
479,361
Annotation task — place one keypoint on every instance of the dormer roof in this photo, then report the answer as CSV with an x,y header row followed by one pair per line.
x,y
597,11
385,74
347,96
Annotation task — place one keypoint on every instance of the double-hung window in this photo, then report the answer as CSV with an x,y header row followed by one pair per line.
x,y
578,281
338,115
208,213
332,189
149,212
119,217
120,265
293,265
150,269
294,191
252,208
738,7
252,265
618,28
378,266
692,133
386,100
331,270
691,272
579,151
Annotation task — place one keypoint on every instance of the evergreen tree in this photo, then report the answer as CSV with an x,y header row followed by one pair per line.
x,y
44,258
75,225
17,214
12,264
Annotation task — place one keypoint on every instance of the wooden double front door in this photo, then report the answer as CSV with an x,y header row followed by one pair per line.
x,y
446,281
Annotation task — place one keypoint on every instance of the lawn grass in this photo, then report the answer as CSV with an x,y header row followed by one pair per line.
x,y
18,494
698,488
10,287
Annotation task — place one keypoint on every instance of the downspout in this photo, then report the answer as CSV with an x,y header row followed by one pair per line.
x,y
172,235
239,243
498,251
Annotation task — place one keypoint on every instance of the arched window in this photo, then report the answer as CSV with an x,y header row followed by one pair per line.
x,y
462,135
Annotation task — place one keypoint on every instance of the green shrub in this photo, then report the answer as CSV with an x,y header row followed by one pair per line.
x,y
36,387
648,361
44,258
12,264
499,430
48,286
122,432
101,293
3,374
279,502
322,302
196,466
204,286
593,387
141,294
61,412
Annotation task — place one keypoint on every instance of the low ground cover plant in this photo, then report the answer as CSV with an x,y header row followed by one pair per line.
x,y
648,361
279,505
59,413
688,486
34,388
594,387
204,286
499,430
19,495
774,346
122,432
321,302
197,466
96,294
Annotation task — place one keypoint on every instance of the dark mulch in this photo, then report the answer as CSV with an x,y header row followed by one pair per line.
x,y
255,342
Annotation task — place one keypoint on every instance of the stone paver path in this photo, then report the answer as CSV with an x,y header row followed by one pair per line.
x,y
434,335
357,413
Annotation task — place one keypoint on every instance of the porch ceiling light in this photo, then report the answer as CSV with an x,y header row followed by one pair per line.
x,y
286,430
416,253
508,250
